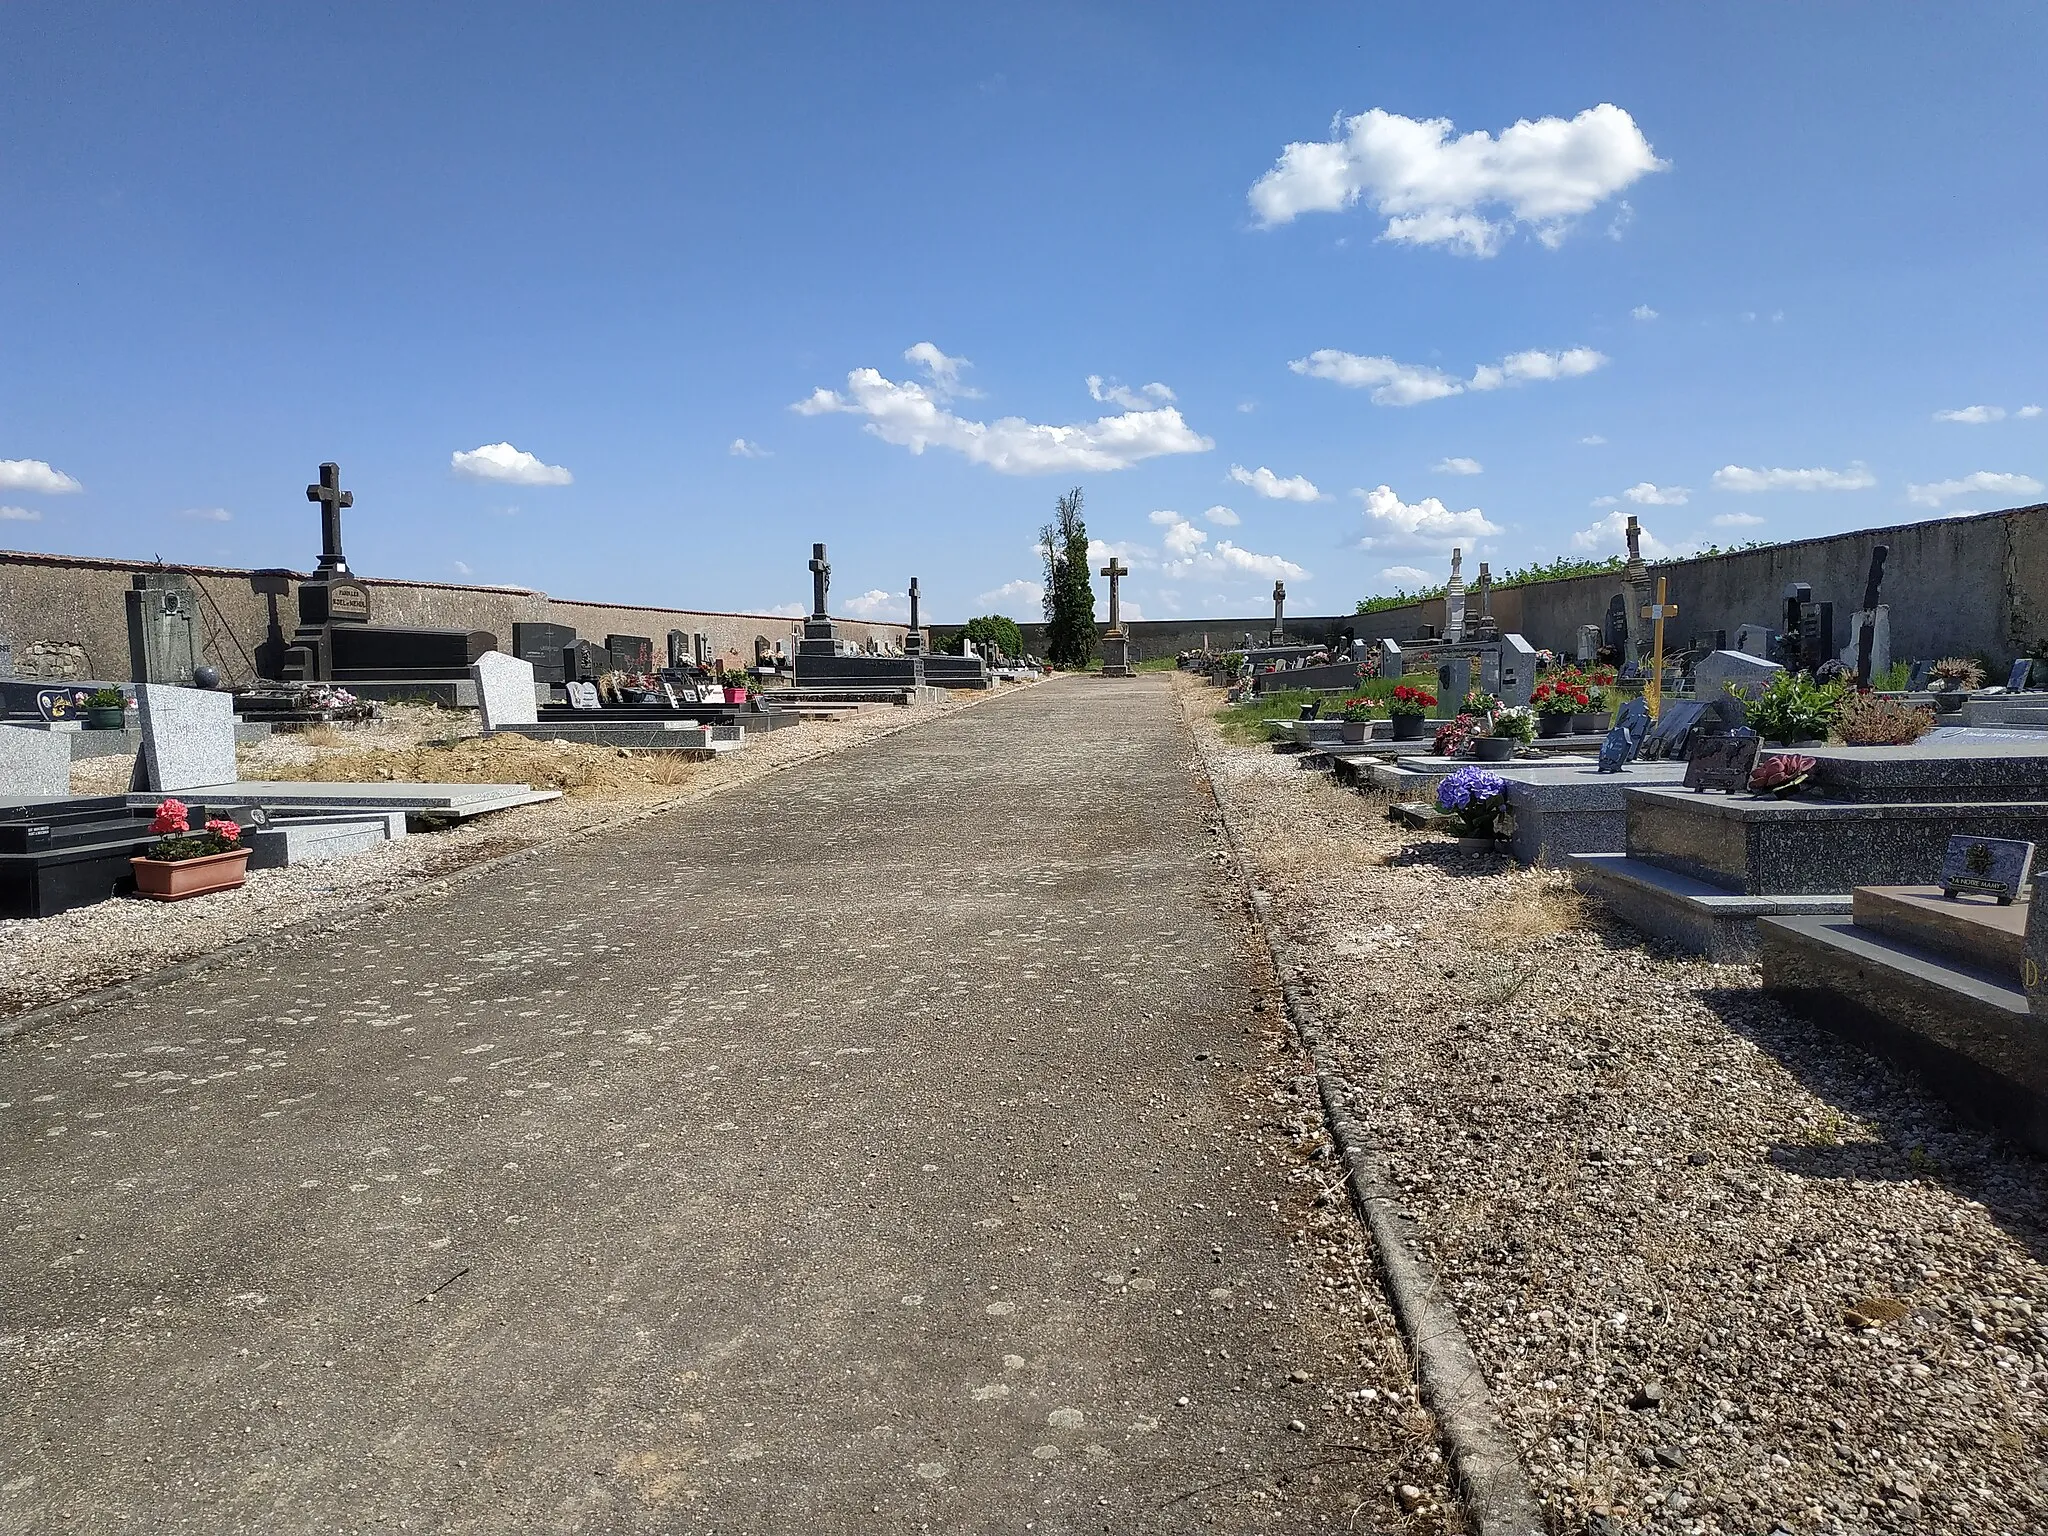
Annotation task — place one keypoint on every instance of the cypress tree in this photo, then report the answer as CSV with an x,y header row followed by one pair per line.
x,y
1069,595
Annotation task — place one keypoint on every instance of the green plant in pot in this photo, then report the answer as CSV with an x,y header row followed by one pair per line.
x,y
106,709
1512,729
1792,707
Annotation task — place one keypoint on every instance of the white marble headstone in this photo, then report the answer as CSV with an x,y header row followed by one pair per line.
x,y
34,762
188,738
504,690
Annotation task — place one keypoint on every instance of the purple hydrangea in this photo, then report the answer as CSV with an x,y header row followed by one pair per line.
x,y
1467,789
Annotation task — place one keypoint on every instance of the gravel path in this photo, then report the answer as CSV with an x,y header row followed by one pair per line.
x,y
909,1143
1723,1273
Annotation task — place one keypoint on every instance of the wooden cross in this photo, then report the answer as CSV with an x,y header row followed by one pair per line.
x,y
331,498
1657,613
1116,570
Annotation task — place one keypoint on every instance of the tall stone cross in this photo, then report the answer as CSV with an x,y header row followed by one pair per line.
x,y
331,499
1657,613
1116,571
913,602
1866,632
1279,604
821,581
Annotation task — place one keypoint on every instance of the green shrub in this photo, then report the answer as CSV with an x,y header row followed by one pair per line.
x,y
1793,707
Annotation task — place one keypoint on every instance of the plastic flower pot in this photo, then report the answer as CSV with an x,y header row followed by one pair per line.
x,y
1949,702
1356,732
1553,725
105,719
735,695
1408,727
179,879
1592,723
1493,749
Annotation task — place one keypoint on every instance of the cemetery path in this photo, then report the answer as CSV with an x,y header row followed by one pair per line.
x,y
883,1147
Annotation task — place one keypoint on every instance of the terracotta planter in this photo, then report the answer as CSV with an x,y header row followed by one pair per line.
x,y
1553,725
1493,749
175,880
1408,727
1356,732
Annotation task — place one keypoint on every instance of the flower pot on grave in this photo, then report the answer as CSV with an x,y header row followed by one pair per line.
x,y
105,719
1356,732
1949,701
1475,845
1493,749
1551,726
735,695
1593,723
178,879
1408,727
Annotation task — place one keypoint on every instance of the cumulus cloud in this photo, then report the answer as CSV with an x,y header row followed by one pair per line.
x,y
2027,412
1738,520
1276,487
878,606
1405,576
1391,523
1459,467
1973,415
913,416
1733,477
461,569
1610,535
1642,312
501,461
742,449
1644,494
1015,597
1223,517
35,475
1469,192
1398,383
787,611
1113,393
1189,555
1936,492
20,515
943,371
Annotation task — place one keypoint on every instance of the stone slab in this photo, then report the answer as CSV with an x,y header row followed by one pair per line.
x,y
1705,919
640,736
1984,934
286,843
504,690
188,738
1972,1039
35,763
449,801
1564,810
1713,673
1940,766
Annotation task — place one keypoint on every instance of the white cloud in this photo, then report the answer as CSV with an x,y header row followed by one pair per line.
x,y
1405,576
1936,492
1015,597
787,611
1973,415
1247,406
1275,487
1733,477
1604,501
20,515
1398,383
1190,556
1459,467
1738,520
1610,534
1182,538
742,449
35,475
1431,187
1223,517
461,569
1593,440
209,514
878,606
1392,523
501,461
1642,312
1535,367
2026,412
943,371
1644,494
913,417
1113,393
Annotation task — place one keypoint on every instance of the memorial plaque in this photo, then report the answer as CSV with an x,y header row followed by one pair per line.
x,y
1723,762
1987,866
584,696
55,704
2022,670
1667,737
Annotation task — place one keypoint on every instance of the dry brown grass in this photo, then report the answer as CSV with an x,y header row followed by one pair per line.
x,y
323,736
1539,907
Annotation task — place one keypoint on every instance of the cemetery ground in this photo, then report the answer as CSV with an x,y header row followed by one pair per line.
x,y
1722,1272
913,1141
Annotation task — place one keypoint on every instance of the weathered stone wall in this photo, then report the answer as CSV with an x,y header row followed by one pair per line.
x,y
65,616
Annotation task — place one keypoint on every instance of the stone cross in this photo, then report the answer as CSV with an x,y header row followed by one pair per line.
x,y
1454,599
1657,613
1484,587
913,602
1279,603
1635,539
1866,633
331,498
1116,571
821,580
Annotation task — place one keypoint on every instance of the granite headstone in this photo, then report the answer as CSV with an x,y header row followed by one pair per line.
x,y
34,762
188,738
1625,740
1723,762
584,696
504,690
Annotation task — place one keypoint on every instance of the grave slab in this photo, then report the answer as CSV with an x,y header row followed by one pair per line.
x,y
1703,918
283,844
35,762
188,738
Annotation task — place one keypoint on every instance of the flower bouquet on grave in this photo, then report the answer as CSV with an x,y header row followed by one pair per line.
x,y
182,863
1454,737
1557,701
1782,774
1517,724
1407,706
1471,801
1478,702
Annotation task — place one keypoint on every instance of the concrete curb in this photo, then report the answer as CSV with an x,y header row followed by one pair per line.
x,y
1496,1492
32,1019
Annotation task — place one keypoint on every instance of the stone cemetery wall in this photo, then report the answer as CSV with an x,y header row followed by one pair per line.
x,y
65,617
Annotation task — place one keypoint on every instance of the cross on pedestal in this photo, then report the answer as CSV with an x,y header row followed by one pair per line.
x,y
331,498
821,581
1116,570
1657,613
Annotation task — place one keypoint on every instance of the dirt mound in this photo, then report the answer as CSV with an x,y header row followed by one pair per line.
x,y
577,769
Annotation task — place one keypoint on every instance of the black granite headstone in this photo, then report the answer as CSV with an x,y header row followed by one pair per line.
x,y
541,646
1722,762
583,661
630,653
1987,866
1667,737
2022,670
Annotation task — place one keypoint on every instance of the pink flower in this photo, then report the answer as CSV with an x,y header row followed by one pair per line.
x,y
225,830
170,817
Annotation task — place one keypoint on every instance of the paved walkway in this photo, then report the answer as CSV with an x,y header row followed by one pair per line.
x,y
872,1149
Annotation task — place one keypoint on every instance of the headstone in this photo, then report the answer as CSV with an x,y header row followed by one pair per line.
x,y
33,762
1279,612
1874,628
1454,600
1392,663
2022,671
540,646
61,706
1453,681
1864,631
6,657
1917,675
1720,672
1515,679
1723,762
1997,867
630,653
1589,643
583,696
1667,737
1756,640
679,649
163,614
188,739
1625,740
504,690
584,662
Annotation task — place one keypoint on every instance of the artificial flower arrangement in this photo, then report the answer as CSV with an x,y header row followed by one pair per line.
x,y
1410,701
1474,798
1961,673
1781,774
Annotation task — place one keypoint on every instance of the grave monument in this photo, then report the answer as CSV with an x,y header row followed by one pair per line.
x,y
1116,646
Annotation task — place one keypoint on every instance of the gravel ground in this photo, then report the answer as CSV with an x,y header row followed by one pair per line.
x,y
48,959
1724,1274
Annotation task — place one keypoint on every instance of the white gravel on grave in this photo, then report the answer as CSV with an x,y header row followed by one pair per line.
x,y
1639,1179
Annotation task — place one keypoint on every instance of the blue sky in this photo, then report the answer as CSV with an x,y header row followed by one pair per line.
x,y
633,303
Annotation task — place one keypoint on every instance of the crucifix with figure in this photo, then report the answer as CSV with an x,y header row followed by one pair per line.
x,y
1657,613
821,581
1116,570
331,498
